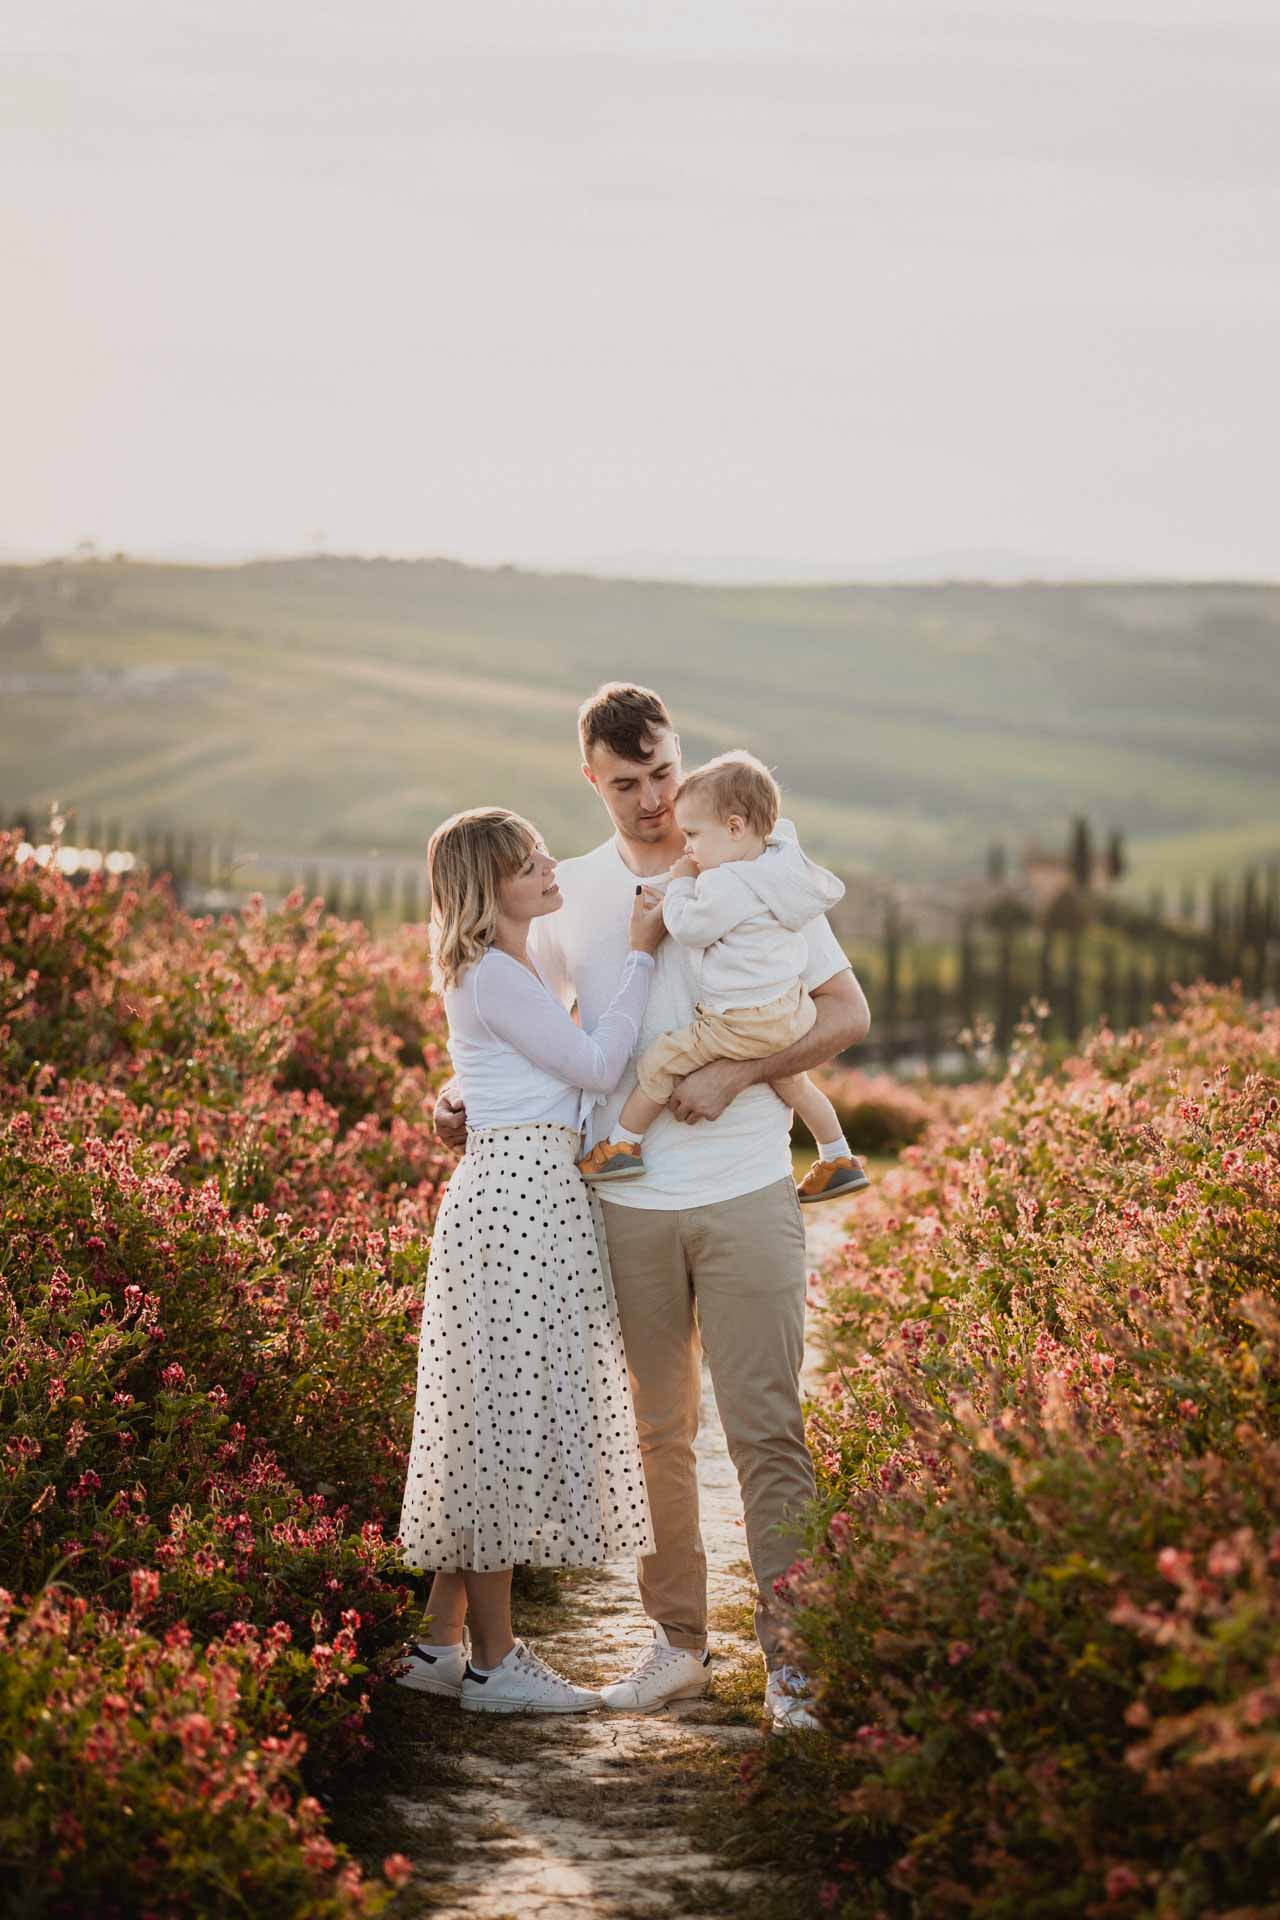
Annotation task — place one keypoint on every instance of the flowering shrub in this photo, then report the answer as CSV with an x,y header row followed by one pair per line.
x,y
879,1114
291,1058
1043,1608
136,1778
217,1179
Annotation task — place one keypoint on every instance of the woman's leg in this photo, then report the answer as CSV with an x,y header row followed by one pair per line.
x,y
489,1605
487,1598
447,1609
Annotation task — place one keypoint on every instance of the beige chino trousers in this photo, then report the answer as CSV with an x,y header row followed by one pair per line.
x,y
728,1280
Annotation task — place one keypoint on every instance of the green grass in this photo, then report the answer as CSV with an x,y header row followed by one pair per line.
x,y
910,726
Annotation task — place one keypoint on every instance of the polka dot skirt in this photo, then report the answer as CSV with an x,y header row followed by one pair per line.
x,y
524,1440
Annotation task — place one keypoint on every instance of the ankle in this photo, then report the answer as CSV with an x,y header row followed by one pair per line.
x,y
435,1632
488,1654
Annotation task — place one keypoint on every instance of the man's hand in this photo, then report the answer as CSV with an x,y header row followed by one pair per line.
x,y
685,868
704,1094
450,1118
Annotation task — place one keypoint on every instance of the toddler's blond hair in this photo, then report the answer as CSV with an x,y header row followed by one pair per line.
x,y
736,782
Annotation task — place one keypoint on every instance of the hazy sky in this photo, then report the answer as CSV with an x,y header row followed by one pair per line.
x,y
818,282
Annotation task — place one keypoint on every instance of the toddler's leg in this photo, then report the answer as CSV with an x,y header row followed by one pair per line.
x,y
835,1171
638,1112
658,1068
814,1109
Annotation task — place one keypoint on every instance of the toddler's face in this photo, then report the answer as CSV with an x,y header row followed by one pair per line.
x,y
707,840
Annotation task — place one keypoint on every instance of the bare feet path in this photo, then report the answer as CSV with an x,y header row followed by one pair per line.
x,y
573,1818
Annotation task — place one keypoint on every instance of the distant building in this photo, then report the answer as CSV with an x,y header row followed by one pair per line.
x,y
1045,876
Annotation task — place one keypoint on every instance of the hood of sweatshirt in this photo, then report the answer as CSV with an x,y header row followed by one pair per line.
x,y
794,888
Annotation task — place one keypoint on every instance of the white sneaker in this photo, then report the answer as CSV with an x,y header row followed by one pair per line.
x,y
523,1684
665,1673
434,1672
788,1700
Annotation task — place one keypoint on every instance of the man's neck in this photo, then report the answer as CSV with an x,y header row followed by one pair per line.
x,y
649,858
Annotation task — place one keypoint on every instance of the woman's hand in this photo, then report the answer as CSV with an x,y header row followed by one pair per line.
x,y
648,929
685,868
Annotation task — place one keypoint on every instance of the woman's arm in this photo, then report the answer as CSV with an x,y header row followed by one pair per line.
x,y
517,1009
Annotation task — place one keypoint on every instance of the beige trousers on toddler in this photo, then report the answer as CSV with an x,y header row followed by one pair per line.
x,y
743,1033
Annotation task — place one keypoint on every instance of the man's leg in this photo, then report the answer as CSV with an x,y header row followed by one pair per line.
x,y
747,1258
664,1359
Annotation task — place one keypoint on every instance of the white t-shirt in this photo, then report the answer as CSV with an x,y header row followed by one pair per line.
x,y
580,951
518,1057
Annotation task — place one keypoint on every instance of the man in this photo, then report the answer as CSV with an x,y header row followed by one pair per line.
x,y
707,1246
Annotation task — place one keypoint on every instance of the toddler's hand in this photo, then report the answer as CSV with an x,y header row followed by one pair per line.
x,y
685,868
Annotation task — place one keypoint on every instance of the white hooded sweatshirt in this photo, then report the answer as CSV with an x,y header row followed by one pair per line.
x,y
748,918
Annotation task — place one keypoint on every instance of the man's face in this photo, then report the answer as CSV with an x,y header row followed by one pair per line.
x,y
639,794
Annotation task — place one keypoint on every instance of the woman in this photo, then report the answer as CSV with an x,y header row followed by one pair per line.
x,y
524,1444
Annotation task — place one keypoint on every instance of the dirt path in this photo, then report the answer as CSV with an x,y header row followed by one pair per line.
x,y
573,1819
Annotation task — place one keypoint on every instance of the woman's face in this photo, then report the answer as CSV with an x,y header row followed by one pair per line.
x,y
532,889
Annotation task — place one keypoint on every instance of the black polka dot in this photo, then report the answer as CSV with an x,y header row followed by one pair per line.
x,y
498,1476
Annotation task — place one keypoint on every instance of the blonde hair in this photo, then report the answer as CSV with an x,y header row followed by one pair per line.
x,y
468,858
738,783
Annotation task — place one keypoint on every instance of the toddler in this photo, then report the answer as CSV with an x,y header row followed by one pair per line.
x,y
741,895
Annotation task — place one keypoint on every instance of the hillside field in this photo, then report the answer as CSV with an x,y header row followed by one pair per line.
x,y
331,705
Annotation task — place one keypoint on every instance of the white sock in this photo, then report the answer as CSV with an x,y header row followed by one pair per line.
x,y
837,1149
623,1136
459,1646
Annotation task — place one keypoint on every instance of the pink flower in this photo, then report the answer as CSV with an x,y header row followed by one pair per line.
x,y
144,1584
195,1731
320,1853
957,1652
398,1869
1121,1881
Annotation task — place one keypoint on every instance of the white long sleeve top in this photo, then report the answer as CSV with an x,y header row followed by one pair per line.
x,y
746,920
517,1055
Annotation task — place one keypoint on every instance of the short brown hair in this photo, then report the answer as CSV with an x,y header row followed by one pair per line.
x,y
738,783
622,717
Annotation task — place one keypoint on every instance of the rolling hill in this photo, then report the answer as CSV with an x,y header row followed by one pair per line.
x,y
330,703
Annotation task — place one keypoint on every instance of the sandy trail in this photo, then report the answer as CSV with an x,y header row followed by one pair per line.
x,y
573,1818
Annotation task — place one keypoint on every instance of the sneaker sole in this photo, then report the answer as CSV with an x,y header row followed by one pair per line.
x,y
834,1193
618,1173
524,1706
440,1687
684,1693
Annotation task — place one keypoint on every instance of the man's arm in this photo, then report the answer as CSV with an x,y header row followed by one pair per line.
x,y
843,1020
